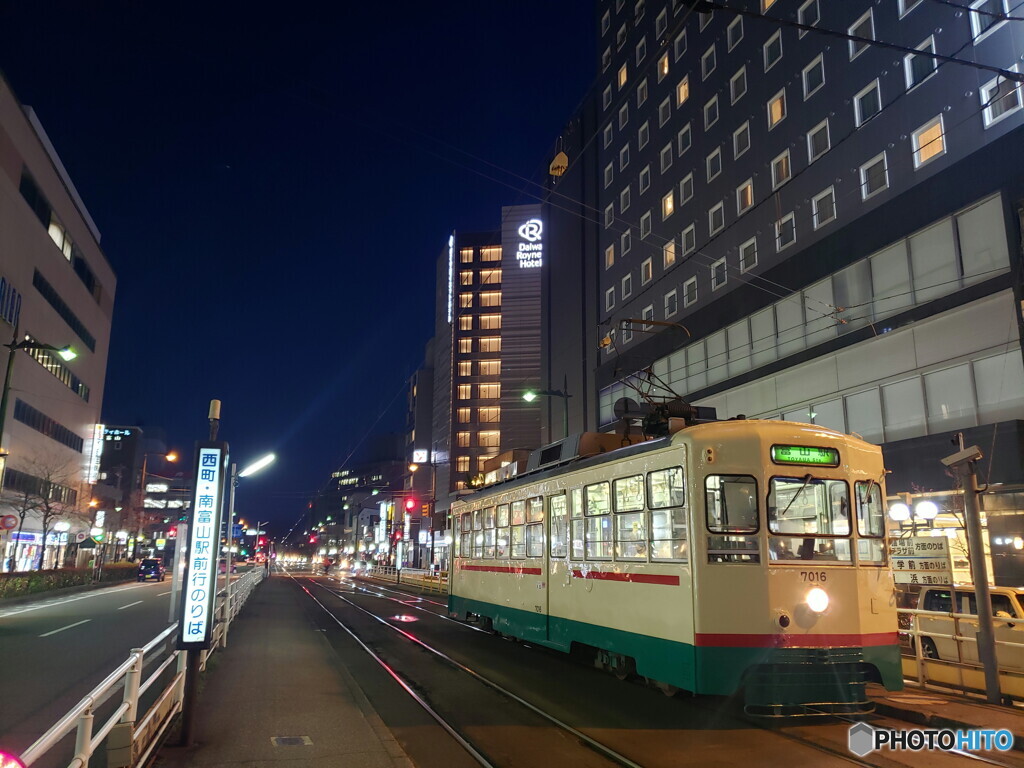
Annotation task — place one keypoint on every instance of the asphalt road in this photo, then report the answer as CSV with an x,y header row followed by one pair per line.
x,y
53,652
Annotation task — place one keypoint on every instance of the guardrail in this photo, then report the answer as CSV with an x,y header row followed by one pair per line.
x,y
430,581
133,738
949,659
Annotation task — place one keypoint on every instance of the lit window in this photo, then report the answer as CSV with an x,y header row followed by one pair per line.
x,y
748,254
686,188
622,76
489,391
738,85
773,50
809,14
490,277
744,196
465,346
862,27
874,177
463,415
679,45
682,91
645,225
777,109
641,92
668,254
818,141
734,33
609,298
609,256
490,299
465,368
465,391
462,439
711,112
663,67
465,300
645,178
766,4
918,67
466,255
714,164
781,170
823,207
490,322
719,274
462,463
664,111
708,62
488,415
785,232
867,103
999,98
716,218
690,292
646,271
741,139
489,367
671,303
490,344
689,239
465,278
490,253
466,323
643,135
683,139
666,157
814,76
985,17
626,289
929,141
624,157
668,205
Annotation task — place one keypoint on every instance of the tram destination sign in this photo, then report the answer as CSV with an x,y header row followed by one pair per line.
x,y
805,455
921,560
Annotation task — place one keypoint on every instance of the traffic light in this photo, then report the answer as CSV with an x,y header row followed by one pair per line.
x,y
263,541
312,539
410,504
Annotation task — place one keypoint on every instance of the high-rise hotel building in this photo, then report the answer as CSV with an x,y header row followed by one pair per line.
x,y
784,223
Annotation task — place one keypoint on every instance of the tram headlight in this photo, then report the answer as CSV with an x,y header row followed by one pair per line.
x,y
817,600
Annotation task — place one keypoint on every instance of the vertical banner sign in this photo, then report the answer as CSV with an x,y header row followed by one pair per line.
x,y
199,585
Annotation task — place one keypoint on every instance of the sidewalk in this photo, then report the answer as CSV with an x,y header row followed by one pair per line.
x,y
938,710
280,679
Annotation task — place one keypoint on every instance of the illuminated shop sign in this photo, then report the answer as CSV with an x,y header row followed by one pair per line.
x,y
451,275
93,474
530,252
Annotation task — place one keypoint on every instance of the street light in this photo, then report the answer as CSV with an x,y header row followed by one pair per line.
x,y
170,456
532,394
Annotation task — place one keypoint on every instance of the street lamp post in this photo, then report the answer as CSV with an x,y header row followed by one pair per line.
x,y
532,394
170,456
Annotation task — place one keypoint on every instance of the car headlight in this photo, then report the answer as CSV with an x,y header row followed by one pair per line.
x,y
817,600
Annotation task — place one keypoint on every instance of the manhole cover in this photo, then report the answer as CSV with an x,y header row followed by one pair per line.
x,y
912,699
291,741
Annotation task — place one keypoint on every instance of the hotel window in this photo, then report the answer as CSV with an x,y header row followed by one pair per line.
x,y
809,14
622,76
641,50
683,139
608,135
818,141
490,299
466,277
906,6
606,97
489,367
490,322
983,17
719,274
661,23
766,4
488,415
465,300
609,175
686,189
716,218
666,157
624,156
490,253
489,438
645,178
625,241
918,68
785,232
668,254
624,200
714,164
465,391
647,313
748,254
638,10
606,59
671,303
777,109
609,256
823,207
646,271
705,19
623,116
643,135
814,76
708,62
781,170
609,298
682,91
466,323
490,344
744,196
663,67
462,463
999,97
645,225
773,50
874,177
711,112
606,22
689,239
690,292
626,289
462,439
668,205
620,37
627,332
466,255
734,32
664,111
862,27
465,368
465,346
738,85
741,139
488,391
867,104
609,215
641,92
679,45
490,277
463,415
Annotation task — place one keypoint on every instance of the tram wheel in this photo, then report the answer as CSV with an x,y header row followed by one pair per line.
x,y
666,688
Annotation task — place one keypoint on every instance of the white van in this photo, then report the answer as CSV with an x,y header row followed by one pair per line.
x,y
1006,604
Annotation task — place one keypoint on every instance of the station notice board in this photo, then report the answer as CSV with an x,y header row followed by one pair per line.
x,y
921,560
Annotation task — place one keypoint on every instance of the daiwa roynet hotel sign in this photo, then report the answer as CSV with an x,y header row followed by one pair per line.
x,y
530,253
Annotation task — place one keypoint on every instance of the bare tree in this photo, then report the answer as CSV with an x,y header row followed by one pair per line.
x,y
46,492
24,502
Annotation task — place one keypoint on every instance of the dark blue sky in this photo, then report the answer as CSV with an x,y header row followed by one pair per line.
x,y
274,184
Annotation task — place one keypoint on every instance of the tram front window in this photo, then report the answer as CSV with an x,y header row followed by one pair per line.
x,y
810,519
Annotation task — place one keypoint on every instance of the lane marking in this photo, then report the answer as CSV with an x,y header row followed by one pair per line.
x,y
50,604
164,593
129,605
69,626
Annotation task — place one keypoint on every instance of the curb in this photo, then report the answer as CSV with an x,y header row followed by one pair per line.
x,y
62,592
932,720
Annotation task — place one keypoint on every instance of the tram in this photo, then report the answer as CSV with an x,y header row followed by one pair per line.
x,y
740,558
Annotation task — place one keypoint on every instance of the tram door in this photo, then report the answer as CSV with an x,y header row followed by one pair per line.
x,y
556,556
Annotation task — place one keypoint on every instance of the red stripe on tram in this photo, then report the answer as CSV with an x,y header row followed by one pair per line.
x,y
634,578
503,569
794,641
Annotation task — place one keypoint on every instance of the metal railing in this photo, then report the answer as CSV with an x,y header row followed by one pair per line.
x,y
142,734
430,581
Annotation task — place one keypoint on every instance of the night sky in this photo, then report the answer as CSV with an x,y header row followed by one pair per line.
x,y
274,184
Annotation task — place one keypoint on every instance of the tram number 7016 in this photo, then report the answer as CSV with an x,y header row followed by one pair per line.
x,y
813,576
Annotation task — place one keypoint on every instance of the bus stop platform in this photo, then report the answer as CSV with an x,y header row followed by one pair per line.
x,y
278,694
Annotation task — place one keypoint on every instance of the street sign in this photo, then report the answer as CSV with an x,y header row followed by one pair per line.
x,y
236,531
199,586
921,560
80,537
7,522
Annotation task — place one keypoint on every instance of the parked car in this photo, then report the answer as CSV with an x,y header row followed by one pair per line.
x,y
222,567
151,568
1006,604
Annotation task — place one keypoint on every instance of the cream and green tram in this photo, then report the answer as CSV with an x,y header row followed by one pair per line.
x,y
731,556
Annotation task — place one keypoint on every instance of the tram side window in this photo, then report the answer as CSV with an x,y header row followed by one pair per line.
x,y
502,515
665,488
598,534
518,542
809,519
535,540
489,517
489,532
467,522
478,520
576,526
557,513
631,536
870,523
457,543
731,502
518,512
465,546
629,494
535,509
